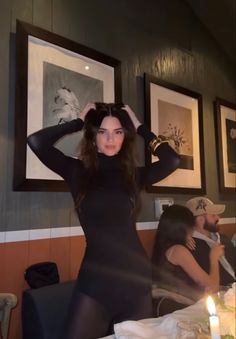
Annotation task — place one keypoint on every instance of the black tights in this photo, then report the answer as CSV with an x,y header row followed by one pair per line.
x,y
88,319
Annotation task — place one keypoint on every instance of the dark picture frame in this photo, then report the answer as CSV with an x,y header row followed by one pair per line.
x,y
225,126
49,68
176,113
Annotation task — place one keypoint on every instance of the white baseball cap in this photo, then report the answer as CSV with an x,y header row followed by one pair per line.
x,y
202,205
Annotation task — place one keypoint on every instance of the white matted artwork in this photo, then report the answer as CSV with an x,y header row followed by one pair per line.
x,y
225,119
176,113
56,78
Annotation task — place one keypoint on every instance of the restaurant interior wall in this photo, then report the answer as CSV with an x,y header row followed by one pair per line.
x,y
163,38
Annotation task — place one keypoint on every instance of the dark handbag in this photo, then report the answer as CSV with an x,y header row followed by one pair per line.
x,y
42,274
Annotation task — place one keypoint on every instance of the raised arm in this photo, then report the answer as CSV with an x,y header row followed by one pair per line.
x,y
181,256
168,159
42,143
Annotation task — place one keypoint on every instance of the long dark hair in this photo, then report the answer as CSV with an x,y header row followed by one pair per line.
x,y
174,224
88,150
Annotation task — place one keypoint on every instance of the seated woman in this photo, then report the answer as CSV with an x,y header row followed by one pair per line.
x,y
174,267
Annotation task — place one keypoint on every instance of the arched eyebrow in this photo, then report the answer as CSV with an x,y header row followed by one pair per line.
x,y
106,129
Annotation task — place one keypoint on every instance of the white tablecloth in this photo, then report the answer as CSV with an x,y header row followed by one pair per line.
x,y
166,327
162,327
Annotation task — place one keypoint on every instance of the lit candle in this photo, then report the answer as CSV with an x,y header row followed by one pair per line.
x,y
213,319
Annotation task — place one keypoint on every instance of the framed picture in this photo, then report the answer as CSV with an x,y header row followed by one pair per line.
x,y
225,121
55,78
176,113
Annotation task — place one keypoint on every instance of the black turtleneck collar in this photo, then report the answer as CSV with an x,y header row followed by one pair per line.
x,y
108,162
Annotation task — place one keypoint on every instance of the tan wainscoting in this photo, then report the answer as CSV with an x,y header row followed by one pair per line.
x,y
67,252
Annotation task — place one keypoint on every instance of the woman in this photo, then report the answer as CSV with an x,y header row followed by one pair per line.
x,y
174,266
114,282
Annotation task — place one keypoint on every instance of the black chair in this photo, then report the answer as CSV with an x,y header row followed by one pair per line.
x,y
45,310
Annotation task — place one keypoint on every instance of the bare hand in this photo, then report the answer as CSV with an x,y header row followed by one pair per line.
x,y
217,251
191,244
88,107
132,116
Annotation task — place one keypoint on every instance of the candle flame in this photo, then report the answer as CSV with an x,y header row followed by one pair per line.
x,y
211,305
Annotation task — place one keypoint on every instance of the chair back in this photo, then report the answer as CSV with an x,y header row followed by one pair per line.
x,y
7,302
166,301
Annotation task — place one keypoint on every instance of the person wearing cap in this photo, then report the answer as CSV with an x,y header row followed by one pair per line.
x,y
206,235
173,265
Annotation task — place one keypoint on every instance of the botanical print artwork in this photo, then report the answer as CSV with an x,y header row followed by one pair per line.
x,y
231,144
176,113
226,138
175,123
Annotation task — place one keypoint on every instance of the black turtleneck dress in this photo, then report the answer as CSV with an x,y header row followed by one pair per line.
x,y
115,268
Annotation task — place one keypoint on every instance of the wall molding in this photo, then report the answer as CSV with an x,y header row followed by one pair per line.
x,y
73,231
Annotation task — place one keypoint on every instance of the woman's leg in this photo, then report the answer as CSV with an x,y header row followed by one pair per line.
x,y
88,319
138,310
142,309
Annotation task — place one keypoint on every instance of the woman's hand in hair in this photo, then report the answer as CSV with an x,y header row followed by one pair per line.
x,y
88,107
132,116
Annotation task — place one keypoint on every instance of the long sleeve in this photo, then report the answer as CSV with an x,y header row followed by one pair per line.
x,y
168,159
42,144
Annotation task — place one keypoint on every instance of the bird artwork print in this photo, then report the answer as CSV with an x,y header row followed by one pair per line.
x,y
67,105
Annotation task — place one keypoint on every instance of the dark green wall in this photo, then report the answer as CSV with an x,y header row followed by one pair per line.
x,y
160,37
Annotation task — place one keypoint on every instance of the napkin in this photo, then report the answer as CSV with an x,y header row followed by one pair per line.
x,y
163,327
149,328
